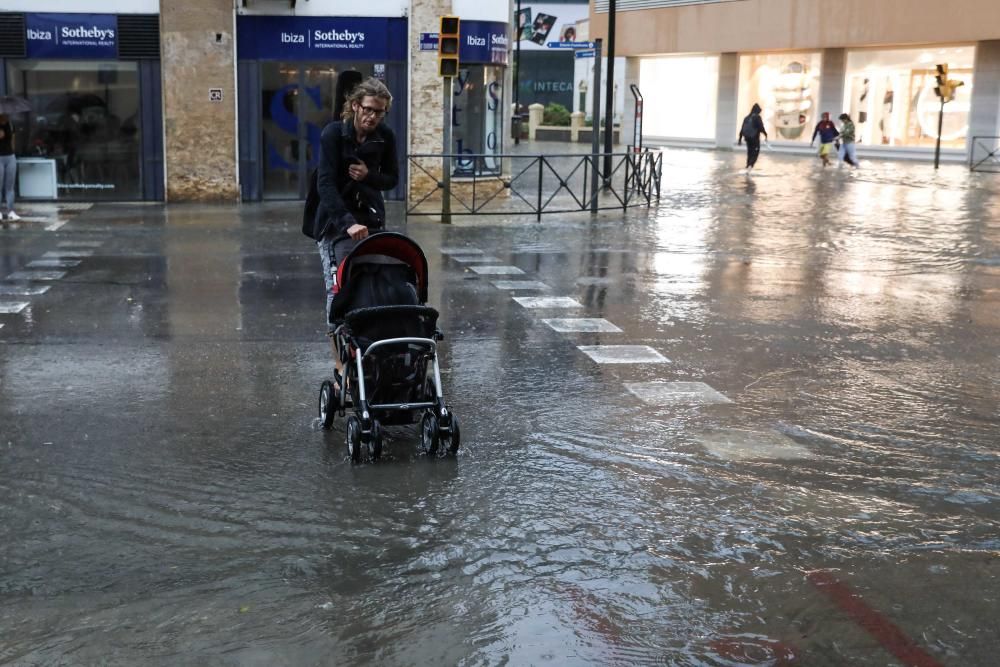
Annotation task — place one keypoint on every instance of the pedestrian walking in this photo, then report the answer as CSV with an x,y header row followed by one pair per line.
x,y
8,168
827,133
357,163
752,128
848,150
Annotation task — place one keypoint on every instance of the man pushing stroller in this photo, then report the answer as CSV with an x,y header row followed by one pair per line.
x,y
357,163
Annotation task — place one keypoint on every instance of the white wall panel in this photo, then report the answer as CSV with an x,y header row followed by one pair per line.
x,y
390,8
79,6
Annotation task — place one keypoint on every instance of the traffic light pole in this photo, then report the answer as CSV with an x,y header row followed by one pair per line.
x,y
446,153
516,120
609,101
595,126
937,148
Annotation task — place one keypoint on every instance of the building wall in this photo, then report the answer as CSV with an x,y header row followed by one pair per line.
x,y
767,25
76,6
198,53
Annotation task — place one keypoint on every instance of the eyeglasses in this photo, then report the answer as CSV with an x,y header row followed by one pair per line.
x,y
372,111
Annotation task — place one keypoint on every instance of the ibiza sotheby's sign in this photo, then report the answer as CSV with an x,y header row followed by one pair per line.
x,y
320,38
91,36
484,42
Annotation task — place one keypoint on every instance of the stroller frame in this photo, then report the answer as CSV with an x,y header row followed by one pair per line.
x,y
364,435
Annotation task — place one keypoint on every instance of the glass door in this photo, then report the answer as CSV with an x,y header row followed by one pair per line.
x,y
297,103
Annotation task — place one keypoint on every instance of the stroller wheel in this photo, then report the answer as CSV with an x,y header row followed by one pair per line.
x,y
454,437
375,444
354,438
327,405
430,434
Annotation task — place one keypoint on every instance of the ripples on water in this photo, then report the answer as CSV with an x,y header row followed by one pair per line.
x,y
851,314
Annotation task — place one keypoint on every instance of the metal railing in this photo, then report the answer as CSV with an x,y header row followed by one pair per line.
x,y
516,184
985,154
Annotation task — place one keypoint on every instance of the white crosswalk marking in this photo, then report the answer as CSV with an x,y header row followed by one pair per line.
x,y
461,251
582,325
80,244
548,302
519,284
497,270
623,354
672,393
472,259
37,275
13,307
24,290
53,263
741,445
56,254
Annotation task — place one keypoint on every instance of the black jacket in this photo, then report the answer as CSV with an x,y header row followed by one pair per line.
x,y
339,200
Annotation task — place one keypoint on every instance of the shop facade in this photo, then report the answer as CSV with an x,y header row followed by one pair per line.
x,y
94,131
699,85
293,73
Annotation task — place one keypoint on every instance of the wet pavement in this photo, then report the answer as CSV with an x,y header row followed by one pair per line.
x,y
756,425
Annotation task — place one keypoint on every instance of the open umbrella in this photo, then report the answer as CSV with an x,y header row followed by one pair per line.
x,y
12,104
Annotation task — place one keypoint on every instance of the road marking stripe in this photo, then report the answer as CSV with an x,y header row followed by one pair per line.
x,y
878,626
497,270
548,302
53,263
581,325
623,354
519,284
13,307
37,275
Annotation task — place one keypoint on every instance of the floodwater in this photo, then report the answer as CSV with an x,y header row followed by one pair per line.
x,y
822,489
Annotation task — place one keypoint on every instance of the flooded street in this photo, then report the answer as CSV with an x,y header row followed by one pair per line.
x,y
793,461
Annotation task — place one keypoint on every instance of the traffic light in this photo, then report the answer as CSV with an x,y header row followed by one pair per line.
x,y
942,89
448,40
945,88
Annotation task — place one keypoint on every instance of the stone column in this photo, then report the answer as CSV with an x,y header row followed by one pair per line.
x,y
984,116
198,54
833,73
727,116
426,98
628,113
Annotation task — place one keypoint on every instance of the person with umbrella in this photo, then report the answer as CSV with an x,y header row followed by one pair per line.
x,y
8,161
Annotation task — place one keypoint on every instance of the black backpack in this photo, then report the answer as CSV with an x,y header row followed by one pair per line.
x,y
749,129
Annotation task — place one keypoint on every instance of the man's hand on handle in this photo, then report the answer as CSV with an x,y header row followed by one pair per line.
x,y
357,232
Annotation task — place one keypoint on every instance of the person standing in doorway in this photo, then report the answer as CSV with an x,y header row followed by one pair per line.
x,y
752,128
8,168
827,133
848,150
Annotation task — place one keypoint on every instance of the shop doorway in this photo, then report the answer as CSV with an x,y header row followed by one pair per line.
x,y
297,102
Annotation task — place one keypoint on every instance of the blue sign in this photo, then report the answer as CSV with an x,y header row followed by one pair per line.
x,y
298,38
590,53
571,45
90,36
428,41
483,42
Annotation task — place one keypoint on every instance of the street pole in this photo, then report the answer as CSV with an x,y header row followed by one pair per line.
x,y
937,148
595,125
516,121
609,100
446,153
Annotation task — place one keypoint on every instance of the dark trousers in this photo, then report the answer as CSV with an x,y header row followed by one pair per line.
x,y
753,150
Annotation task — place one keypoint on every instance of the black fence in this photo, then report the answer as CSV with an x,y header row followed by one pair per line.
x,y
985,154
511,184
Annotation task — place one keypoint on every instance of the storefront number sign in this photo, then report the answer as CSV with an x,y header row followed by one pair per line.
x,y
90,36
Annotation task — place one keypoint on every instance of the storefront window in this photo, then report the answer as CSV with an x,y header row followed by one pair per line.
x,y
477,118
890,96
786,86
692,117
85,117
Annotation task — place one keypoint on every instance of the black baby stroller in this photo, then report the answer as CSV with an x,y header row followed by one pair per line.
x,y
387,340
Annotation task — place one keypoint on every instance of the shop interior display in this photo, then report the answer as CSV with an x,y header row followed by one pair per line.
x,y
793,101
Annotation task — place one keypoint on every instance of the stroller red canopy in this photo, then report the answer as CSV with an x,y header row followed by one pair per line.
x,y
404,250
